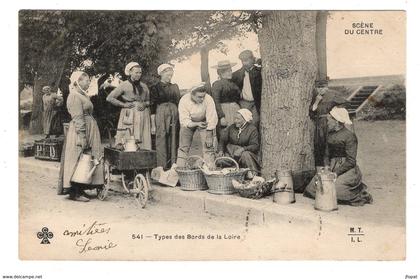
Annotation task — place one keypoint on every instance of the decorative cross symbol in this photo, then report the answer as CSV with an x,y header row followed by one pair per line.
x,y
44,234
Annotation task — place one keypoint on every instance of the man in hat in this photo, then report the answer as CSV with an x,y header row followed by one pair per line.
x,y
226,95
248,79
135,112
197,113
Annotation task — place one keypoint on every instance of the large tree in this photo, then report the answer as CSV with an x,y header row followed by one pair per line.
x,y
288,51
287,41
51,41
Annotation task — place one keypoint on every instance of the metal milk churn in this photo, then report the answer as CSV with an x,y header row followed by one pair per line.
x,y
326,195
283,189
130,144
84,169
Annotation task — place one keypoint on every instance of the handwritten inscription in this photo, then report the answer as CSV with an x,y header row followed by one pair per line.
x,y
87,237
86,246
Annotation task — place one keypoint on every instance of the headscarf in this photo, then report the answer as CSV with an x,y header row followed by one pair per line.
x,y
46,89
341,115
246,114
129,66
163,67
74,80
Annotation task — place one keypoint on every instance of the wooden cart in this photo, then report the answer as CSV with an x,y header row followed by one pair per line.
x,y
134,171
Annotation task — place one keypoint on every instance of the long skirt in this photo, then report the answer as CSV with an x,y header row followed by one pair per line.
x,y
139,125
72,151
349,186
167,134
56,127
247,159
47,117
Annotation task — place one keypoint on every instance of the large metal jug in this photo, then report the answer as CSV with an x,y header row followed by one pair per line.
x,y
130,144
326,194
84,169
283,189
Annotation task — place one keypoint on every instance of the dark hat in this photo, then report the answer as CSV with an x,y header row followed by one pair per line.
x,y
224,64
246,54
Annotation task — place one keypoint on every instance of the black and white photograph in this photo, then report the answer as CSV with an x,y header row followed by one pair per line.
x,y
212,134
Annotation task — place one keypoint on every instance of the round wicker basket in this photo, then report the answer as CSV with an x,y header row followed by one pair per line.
x,y
191,179
221,184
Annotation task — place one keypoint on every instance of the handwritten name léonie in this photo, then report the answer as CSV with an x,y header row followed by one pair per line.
x,y
87,234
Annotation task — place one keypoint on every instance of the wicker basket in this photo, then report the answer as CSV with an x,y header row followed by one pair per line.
x,y
191,179
257,191
221,184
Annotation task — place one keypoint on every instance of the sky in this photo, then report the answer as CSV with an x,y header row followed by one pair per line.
x,y
347,55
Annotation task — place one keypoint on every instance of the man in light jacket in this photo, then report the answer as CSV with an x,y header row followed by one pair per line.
x,y
197,113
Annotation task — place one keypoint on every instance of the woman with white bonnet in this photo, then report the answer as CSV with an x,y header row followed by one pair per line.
x,y
82,136
164,97
342,149
241,141
135,112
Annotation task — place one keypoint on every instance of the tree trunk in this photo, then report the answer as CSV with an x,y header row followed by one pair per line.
x,y
49,73
288,52
205,76
321,45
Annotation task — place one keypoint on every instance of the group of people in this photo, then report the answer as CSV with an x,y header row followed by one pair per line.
x,y
226,119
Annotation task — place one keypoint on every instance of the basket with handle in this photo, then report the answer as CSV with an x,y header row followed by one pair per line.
x,y
221,183
191,178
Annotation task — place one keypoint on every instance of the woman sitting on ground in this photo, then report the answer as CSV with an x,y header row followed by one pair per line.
x,y
342,149
240,141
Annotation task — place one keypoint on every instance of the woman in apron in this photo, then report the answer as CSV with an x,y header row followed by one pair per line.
x,y
49,109
135,113
164,98
83,134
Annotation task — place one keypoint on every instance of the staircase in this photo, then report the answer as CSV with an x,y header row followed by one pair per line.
x,y
359,98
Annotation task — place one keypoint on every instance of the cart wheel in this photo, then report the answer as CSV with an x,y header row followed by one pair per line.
x,y
125,182
140,190
102,193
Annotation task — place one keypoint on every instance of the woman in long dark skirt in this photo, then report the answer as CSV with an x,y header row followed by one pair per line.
x,y
342,146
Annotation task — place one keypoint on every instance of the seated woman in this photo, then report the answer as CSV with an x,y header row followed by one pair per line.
x,y
342,148
240,141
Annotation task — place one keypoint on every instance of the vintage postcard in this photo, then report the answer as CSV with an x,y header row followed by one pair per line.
x,y
212,135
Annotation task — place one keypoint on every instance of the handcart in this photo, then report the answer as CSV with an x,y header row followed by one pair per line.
x,y
133,169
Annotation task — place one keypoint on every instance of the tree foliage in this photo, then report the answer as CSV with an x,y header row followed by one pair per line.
x,y
110,39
